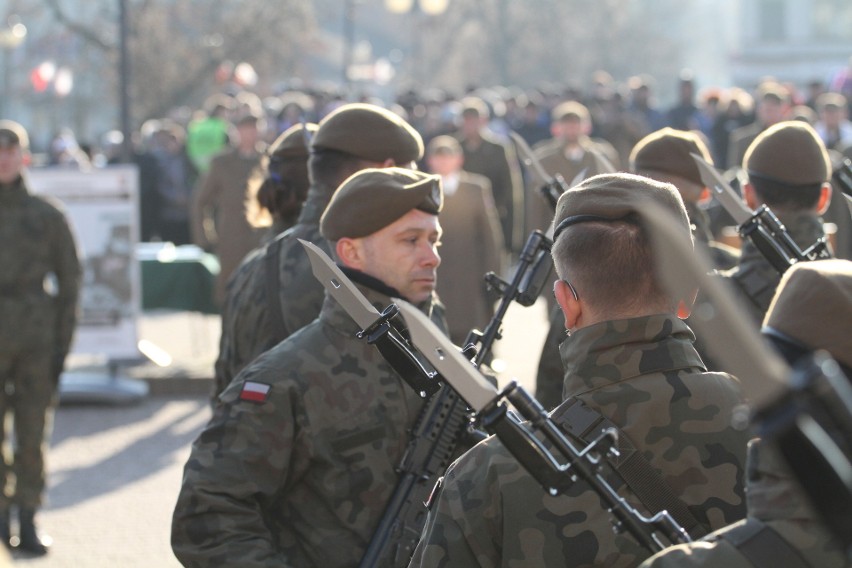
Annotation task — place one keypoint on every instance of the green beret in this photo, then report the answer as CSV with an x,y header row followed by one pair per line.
x,y
368,132
668,151
292,143
374,198
444,145
13,134
813,305
570,109
615,196
789,152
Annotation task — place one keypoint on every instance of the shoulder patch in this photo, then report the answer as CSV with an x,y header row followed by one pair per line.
x,y
255,392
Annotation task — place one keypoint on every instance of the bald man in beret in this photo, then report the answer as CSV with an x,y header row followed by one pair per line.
x,y
812,309
299,459
630,360
280,294
788,170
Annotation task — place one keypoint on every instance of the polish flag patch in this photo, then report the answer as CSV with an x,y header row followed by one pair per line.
x,y
255,392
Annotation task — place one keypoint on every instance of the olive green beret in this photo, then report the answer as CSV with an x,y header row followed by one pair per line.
x,y
292,142
368,132
444,145
570,109
813,305
668,151
614,196
374,198
789,152
13,134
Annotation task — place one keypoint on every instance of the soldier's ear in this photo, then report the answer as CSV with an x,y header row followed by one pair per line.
x,y
824,199
705,196
350,252
750,197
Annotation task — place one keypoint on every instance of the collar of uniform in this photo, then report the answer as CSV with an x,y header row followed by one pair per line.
x,y
614,351
805,228
13,192
377,293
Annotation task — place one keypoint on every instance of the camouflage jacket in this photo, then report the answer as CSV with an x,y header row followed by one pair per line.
x,y
39,274
754,279
297,463
645,376
248,328
776,500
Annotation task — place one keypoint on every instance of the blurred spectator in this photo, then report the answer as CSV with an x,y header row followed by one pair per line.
x,y
219,220
65,151
684,115
735,110
176,177
209,134
472,241
773,106
833,125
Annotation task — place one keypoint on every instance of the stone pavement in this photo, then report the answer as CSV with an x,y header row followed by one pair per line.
x,y
114,471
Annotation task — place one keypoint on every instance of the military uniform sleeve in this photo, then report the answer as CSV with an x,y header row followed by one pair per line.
x,y
239,467
461,529
67,270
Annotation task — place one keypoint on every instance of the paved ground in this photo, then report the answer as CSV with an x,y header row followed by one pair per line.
x,y
114,471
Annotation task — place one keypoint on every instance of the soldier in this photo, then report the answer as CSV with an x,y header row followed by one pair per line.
x,y
664,156
569,153
219,209
299,460
280,196
473,241
39,286
486,155
812,309
631,361
789,171
773,106
267,309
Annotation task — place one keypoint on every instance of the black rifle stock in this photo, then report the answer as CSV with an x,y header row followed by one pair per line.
x,y
774,242
531,275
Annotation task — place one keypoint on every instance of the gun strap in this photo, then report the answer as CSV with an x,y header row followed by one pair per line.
x,y
272,262
586,424
763,546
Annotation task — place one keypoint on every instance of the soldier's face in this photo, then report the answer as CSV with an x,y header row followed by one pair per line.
x,y
404,254
11,163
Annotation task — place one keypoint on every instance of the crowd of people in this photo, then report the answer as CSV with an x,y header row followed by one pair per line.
x,y
416,201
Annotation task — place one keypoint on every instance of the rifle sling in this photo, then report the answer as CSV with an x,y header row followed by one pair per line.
x,y
763,546
585,424
272,262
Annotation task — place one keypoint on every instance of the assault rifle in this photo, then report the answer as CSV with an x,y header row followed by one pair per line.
x,y
762,226
532,273
443,430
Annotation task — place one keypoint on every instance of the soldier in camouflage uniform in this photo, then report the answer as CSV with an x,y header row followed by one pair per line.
x,y
631,360
39,285
663,155
789,170
299,460
267,309
281,194
811,309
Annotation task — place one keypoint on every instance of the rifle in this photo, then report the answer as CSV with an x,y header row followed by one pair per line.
x,y
762,226
805,410
533,272
554,186
442,432
554,472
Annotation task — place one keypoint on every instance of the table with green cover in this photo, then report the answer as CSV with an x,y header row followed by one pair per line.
x,y
177,278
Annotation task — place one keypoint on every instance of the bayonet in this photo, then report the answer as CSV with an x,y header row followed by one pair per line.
x,y
729,199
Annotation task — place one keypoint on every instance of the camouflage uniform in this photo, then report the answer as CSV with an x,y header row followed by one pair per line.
x,y
644,375
303,477
248,328
38,313
754,279
774,499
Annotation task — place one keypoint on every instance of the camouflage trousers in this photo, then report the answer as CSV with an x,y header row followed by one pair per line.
x,y
28,397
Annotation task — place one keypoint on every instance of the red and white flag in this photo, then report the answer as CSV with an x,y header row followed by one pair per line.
x,y
254,392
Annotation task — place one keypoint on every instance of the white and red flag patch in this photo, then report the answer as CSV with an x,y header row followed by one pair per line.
x,y
255,392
